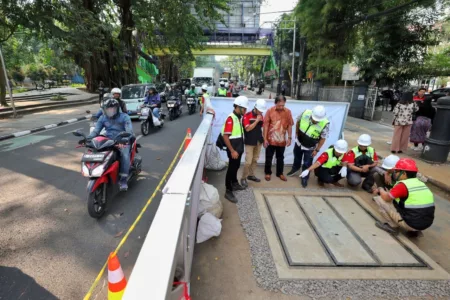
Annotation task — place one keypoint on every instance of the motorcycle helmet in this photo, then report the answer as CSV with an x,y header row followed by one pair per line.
x,y
111,108
204,87
116,91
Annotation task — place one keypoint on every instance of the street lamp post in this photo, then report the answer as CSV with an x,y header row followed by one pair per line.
x,y
287,26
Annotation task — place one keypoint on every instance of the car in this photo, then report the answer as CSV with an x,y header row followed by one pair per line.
x,y
436,94
134,96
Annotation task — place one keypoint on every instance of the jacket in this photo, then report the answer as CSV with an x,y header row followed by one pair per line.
x,y
115,125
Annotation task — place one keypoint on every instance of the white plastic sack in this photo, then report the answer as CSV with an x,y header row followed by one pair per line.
x,y
208,226
213,160
209,201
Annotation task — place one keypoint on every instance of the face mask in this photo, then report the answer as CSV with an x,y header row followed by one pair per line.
x,y
110,112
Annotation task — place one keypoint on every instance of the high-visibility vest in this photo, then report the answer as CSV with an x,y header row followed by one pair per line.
x,y
222,92
370,152
419,195
203,97
238,131
332,161
310,129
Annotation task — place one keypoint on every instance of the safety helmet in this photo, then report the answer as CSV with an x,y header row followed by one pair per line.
x,y
341,146
204,87
111,103
319,113
192,85
390,161
154,89
406,164
364,140
261,105
116,91
241,101
222,83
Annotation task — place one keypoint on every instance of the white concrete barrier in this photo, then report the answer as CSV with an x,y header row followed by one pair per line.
x,y
169,244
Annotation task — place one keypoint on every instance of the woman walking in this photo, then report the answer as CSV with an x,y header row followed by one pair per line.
x,y
403,114
422,124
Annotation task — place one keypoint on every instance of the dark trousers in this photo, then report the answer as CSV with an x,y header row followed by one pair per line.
x,y
302,155
233,167
270,152
326,176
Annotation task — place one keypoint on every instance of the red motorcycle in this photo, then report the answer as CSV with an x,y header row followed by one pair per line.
x,y
100,163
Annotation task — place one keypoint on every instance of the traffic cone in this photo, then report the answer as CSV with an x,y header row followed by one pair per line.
x,y
270,96
116,278
188,139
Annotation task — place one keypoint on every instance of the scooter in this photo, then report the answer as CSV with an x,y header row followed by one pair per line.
x,y
148,122
174,106
192,105
100,163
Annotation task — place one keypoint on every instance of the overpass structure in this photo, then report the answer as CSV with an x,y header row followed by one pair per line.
x,y
224,49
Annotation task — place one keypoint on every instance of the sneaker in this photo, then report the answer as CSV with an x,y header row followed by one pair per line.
x,y
253,178
293,172
416,149
244,183
389,143
238,187
230,196
414,234
123,184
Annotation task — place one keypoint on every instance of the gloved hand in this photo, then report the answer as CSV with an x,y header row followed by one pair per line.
x,y
343,172
304,174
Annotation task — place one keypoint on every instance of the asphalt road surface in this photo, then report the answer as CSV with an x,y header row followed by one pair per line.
x,y
49,246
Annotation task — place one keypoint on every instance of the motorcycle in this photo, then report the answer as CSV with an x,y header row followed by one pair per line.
x,y
148,122
100,163
174,106
192,105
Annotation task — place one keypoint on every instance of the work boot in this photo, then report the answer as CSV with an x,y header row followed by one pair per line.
x,y
238,187
386,227
244,183
293,172
253,178
230,196
304,182
414,234
123,184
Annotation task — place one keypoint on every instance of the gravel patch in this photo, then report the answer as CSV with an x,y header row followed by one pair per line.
x,y
266,274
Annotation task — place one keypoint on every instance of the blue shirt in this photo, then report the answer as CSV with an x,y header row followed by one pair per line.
x,y
152,99
113,126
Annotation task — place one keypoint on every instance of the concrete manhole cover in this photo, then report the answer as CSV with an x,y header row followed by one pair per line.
x,y
333,236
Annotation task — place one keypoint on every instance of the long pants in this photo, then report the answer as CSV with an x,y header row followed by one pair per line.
x,y
156,112
270,152
387,209
302,155
251,159
233,167
355,178
400,138
324,175
124,161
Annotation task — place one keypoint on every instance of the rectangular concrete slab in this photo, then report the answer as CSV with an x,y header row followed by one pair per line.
x,y
300,243
342,245
385,248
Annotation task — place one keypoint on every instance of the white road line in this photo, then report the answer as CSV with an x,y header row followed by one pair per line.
x,y
72,121
22,133
73,130
138,137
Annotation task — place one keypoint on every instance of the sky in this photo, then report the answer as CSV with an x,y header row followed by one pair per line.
x,y
274,6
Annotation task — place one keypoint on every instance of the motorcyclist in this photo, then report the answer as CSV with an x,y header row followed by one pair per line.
x,y
154,101
222,91
116,93
191,92
114,123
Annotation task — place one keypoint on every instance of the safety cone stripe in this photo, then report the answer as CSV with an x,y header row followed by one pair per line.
x,y
117,287
115,276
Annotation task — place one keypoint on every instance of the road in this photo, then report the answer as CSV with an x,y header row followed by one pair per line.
x,y
49,246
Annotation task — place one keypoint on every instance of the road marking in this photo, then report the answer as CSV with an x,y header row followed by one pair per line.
x,y
138,218
22,133
138,137
73,130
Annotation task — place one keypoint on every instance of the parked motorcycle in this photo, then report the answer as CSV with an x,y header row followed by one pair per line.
x,y
100,163
191,104
174,106
148,119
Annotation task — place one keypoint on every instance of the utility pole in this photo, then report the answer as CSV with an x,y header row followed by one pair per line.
x,y
7,85
300,66
287,26
293,61
279,63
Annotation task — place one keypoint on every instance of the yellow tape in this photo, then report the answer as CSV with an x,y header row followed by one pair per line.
x,y
138,218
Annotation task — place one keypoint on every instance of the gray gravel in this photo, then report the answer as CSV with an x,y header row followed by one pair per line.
x,y
266,275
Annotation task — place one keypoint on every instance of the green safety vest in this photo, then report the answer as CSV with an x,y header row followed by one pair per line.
x,y
222,92
310,129
332,161
419,195
191,93
370,152
238,131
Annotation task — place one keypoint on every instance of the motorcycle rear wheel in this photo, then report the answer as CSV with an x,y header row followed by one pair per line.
x,y
144,128
96,207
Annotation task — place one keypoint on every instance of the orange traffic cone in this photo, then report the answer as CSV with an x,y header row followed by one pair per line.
x,y
188,139
270,96
116,278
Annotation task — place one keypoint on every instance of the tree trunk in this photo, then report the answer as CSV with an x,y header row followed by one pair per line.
x,y
2,86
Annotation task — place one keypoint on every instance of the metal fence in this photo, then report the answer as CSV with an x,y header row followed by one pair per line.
x,y
168,249
338,94
371,101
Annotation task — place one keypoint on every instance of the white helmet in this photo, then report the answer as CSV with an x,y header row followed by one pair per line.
x,y
221,83
261,105
341,146
241,101
319,113
364,140
204,87
116,91
390,161
227,85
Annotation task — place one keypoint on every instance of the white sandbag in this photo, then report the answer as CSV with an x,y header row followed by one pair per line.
x,y
208,226
209,201
213,160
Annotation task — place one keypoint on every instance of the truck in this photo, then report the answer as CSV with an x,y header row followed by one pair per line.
x,y
208,76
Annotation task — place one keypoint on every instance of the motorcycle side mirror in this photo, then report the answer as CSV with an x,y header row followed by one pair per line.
x,y
78,133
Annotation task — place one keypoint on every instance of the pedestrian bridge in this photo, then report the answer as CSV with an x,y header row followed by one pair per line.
x,y
224,49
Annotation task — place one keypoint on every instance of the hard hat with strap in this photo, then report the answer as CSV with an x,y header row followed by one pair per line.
x,y
332,161
311,131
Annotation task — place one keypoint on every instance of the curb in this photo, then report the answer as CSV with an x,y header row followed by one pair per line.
x,y
37,129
